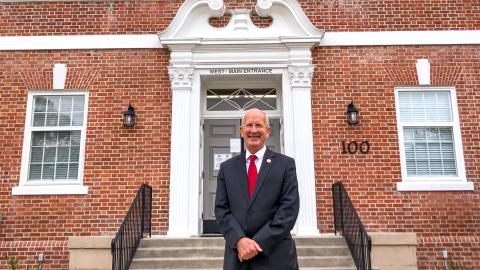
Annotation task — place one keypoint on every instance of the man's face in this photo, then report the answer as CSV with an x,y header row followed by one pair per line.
x,y
254,131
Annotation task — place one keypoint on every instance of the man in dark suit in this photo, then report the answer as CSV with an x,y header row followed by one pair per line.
x,y
257,203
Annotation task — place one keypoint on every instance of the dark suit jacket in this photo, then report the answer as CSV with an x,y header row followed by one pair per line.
x,y
268,217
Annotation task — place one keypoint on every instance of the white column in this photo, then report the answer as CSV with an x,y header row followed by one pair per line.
x,y
301,123
181,81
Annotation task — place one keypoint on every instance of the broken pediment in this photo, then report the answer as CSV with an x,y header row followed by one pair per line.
x,y
191,24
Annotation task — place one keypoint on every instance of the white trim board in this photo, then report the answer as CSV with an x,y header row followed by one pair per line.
x,y
79,42
151,41
392,38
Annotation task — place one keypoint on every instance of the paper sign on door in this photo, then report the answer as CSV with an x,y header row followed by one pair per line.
x,y
218,159
235,146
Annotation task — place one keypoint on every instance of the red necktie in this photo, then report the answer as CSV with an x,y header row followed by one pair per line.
x,y
252,174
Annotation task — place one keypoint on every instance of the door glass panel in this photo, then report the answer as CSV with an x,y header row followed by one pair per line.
x,y
241,99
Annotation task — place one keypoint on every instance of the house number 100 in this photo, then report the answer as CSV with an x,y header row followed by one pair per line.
x,y
353,146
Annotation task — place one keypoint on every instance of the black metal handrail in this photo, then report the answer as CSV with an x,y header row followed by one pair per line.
x,y
347,221
137,222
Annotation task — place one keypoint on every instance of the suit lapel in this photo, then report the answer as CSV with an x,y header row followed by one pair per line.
x,y
241,169
267,162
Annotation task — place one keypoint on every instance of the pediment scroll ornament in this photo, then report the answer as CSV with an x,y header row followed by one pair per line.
x,y
301,76
263,7
181,77
217,7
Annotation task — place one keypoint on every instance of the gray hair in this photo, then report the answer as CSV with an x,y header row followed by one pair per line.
x,y
258,110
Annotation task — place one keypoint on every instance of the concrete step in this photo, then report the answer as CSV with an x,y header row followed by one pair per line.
x,y
217,262
217,251
171,252
322,240
325,261
327,252
182,242
301,268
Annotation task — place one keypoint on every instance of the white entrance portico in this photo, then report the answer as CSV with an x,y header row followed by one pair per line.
x,y
199,49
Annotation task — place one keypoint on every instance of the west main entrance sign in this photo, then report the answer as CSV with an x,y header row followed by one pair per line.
x,y
245,70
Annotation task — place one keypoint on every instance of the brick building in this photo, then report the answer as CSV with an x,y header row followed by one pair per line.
x,y
69,69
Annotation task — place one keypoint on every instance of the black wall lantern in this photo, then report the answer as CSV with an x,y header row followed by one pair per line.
x,y
352,114
129,117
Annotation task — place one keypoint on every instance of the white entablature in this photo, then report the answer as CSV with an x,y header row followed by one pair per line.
x,y
191,24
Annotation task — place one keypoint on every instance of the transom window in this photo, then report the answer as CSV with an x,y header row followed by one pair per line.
x,y
239,99
430,142
54,144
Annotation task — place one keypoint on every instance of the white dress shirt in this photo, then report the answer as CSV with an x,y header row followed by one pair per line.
x,y
258,161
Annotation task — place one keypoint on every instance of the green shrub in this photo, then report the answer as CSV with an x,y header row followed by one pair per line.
x,y
13,262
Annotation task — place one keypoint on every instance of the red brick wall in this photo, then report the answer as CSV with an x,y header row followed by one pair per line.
x,y
55,253
142,17
464,250
117,160
368,75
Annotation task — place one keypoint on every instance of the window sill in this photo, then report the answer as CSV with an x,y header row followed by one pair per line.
x,y
50,190
435,186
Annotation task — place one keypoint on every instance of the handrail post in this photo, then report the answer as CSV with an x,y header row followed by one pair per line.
x,y
112,249
362,248
121,250
340,193
369,252
334,211
150,214
143,209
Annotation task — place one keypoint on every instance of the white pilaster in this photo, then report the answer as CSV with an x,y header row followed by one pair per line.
x,y
181,82
301,124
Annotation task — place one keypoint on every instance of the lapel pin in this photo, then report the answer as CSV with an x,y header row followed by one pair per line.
x,y
269,161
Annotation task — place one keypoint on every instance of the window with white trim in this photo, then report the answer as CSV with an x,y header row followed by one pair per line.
x,y
54,142
430,140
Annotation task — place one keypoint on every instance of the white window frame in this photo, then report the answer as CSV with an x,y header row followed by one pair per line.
x,y
51,187
433,183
